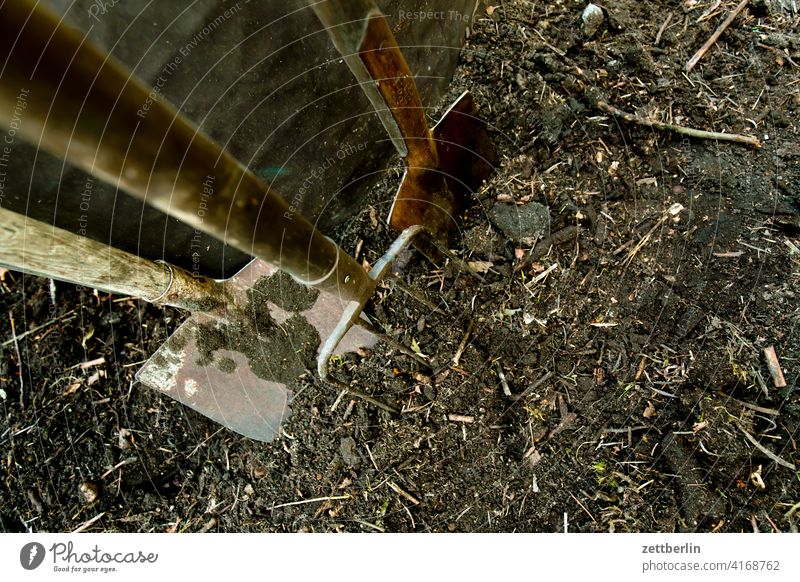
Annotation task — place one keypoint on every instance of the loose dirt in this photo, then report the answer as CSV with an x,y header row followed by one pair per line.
x,y
610,368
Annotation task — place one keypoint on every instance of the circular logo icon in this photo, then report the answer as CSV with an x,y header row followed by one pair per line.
x,y
31,555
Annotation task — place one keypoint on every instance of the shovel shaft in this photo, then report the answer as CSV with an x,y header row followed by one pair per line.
x,y
80,104
36,248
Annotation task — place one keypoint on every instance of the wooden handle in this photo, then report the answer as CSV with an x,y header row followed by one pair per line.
x,y
36,248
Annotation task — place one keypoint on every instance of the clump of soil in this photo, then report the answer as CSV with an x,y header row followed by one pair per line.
x,y
278,352
612,369
281,290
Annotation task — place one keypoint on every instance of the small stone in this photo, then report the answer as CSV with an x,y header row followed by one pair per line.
x,y
90,491
592,19
249,490
124,439
522,224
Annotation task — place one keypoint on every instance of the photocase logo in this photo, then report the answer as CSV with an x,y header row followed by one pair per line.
x,y
31,555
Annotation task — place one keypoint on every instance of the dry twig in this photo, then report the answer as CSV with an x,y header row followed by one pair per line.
x,y
691,132
766,451
463,345
88,523
503,382
661,30
402,492
717,33
307,501
14,339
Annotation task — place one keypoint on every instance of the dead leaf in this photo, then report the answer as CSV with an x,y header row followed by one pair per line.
x,y
415,347
649,411
373,217
490,10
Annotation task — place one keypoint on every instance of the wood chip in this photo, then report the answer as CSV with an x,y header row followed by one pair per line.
x,y
91,363
774,367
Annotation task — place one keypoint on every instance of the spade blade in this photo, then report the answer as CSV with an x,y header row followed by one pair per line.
x,y
437,196
239,370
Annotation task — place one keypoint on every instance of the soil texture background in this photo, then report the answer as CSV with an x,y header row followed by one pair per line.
x,y
608,372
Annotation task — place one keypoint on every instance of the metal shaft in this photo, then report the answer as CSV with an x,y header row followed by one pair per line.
x,y
62,93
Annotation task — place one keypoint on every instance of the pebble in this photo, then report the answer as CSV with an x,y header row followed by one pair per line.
x,y
592,18
123,440
90,491
522,224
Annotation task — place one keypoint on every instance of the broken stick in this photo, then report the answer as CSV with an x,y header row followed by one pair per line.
x,y
717,33
698,133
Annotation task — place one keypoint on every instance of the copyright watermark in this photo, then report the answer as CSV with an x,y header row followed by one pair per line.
x,y
183,52
7,143
100,8
318,173
421,15
65,557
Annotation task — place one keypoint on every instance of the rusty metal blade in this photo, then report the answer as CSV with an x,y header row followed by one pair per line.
x,y
436,196
225,390
437,184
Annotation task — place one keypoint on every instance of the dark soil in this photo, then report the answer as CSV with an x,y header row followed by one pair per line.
x,y
610,369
